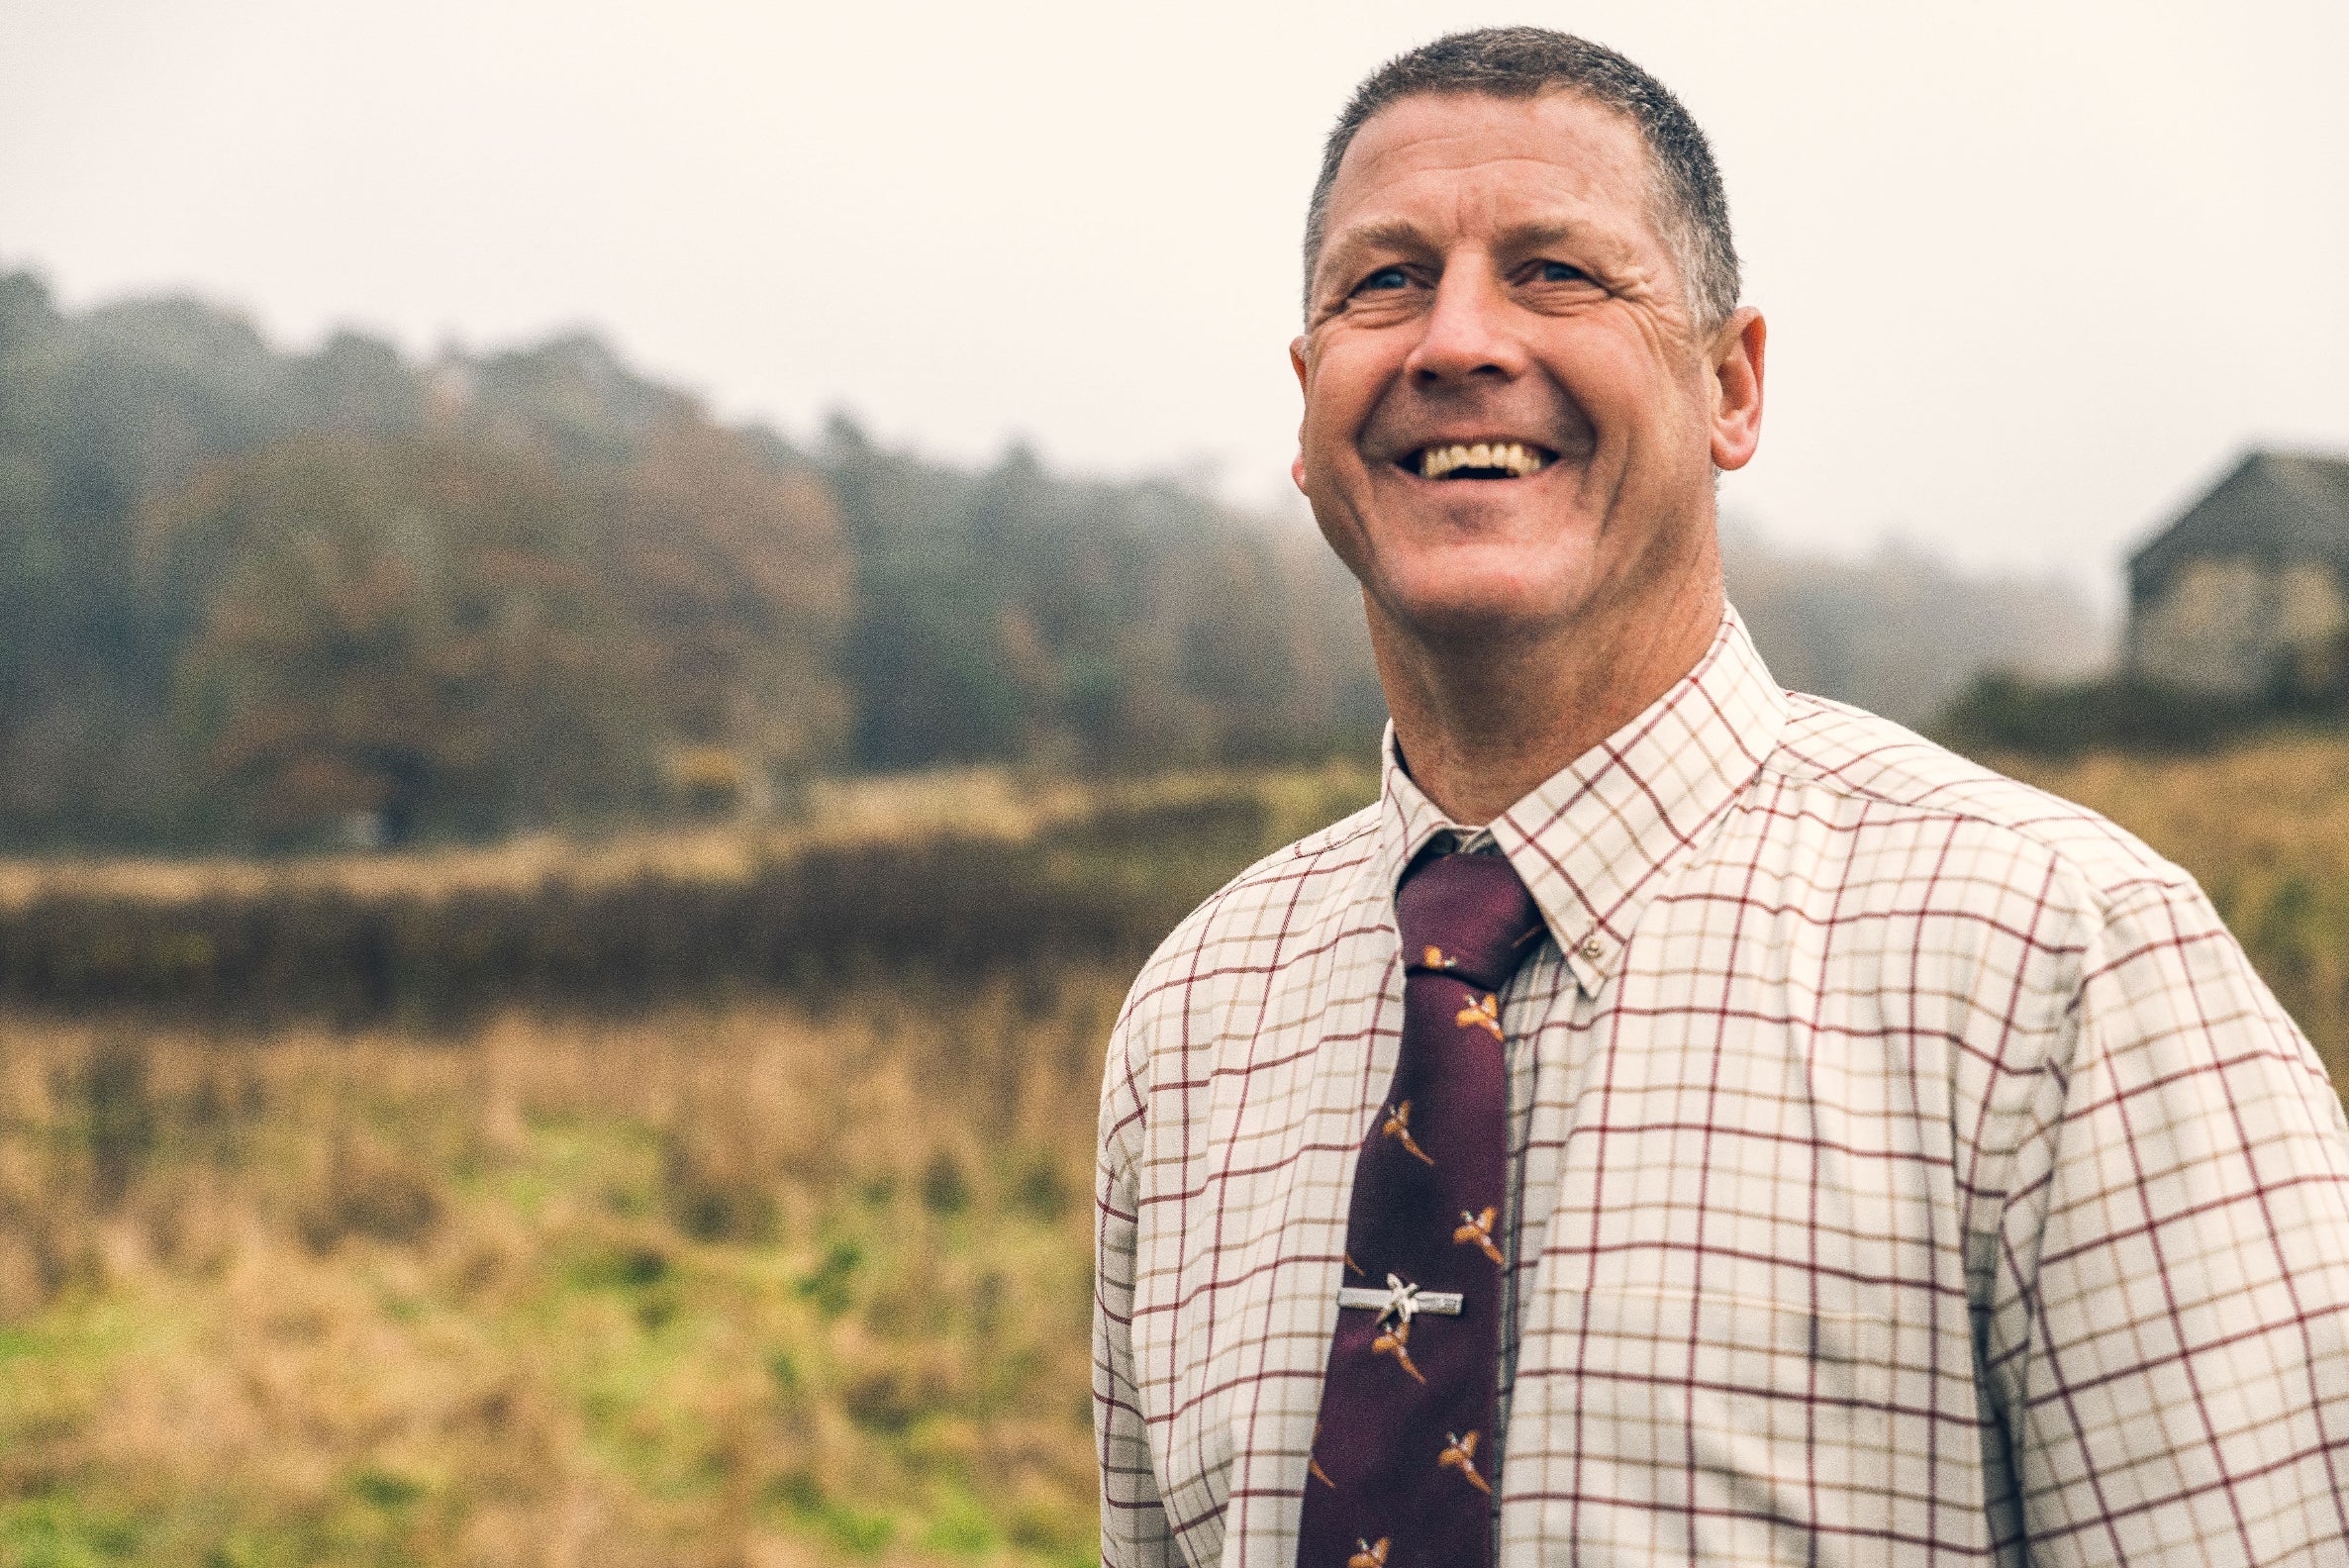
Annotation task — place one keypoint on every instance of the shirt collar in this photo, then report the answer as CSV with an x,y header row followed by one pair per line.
x,y
1593,841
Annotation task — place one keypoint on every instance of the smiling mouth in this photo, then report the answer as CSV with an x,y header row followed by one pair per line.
x,y
1479,461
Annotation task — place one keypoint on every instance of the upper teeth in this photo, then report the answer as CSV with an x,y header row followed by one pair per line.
x,y
1516,460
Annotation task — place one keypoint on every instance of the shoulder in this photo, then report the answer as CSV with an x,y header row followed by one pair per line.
x,y
2015,911
1249,919
1288,904
1877,780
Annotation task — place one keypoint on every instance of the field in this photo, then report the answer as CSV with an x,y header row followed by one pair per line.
x,y
767,1245
717,1286
713,1199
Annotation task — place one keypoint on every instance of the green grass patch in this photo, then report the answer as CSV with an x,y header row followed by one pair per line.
x,y
58,1532
386,1489
852,1531
959,1527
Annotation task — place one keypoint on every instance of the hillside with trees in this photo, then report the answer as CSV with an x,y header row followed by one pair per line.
x,y
258,597
253,595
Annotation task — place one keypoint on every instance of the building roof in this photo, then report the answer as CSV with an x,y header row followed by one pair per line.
x,y
2274,507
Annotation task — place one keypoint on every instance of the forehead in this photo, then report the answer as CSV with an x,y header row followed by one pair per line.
x,y
1470,159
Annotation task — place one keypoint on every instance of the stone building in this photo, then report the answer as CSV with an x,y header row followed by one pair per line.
x,y
2251,585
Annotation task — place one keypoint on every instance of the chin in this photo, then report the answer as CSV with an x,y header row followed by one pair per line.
x,y
1471,614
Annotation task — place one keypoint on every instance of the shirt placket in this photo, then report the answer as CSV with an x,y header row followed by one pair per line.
x,y
1534,990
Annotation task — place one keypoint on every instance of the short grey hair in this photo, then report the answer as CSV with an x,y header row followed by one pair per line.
x,y
1691,209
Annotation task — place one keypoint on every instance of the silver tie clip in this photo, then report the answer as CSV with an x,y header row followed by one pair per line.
x,y
1401,1303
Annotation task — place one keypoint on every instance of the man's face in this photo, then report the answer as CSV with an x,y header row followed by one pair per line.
x,y
1510,421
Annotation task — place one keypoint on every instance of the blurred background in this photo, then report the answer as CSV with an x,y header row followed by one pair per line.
x,y
617,628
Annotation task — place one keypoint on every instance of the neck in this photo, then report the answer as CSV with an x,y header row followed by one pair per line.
x,y
1484,722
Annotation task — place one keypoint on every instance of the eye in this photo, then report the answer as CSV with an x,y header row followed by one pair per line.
x,y
1558,272
1385,279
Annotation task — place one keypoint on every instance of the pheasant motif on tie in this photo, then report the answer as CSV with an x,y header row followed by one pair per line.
x,y
1412,1380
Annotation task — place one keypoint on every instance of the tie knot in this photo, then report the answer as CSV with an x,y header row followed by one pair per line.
x,y
1466,915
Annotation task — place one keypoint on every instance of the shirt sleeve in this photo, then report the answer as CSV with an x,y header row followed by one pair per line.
x,y
1134,1529
2177,1257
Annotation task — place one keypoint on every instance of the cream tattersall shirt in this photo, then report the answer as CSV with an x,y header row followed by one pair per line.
x,y
1906,1166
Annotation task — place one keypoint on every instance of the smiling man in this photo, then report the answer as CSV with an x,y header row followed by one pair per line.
x,y
1682,1119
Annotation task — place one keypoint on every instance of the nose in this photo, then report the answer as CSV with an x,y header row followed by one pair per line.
x,y
1468,329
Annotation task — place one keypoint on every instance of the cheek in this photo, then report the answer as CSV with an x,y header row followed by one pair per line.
x,y
1623,382
1345,381
1616,384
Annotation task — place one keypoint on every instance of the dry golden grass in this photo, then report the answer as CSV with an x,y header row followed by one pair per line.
x,y
725,1287
985,801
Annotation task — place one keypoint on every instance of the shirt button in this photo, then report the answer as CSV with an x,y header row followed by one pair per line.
x,y
1593,949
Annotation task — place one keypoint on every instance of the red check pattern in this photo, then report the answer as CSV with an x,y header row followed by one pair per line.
x,y
1904,1167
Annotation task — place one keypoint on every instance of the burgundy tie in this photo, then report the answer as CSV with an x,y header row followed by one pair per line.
x,y
1400,1470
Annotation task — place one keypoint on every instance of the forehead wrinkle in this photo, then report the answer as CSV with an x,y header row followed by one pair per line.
x,y
1597,172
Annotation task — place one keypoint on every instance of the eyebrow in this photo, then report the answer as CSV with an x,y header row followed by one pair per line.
x,y
1401,234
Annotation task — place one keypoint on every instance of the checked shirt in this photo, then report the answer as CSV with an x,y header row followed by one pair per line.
x,y
1904,1166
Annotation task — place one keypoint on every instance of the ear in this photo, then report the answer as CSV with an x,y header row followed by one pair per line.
x,y
1297,363
1737,388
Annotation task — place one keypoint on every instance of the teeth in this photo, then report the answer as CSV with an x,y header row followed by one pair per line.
x,y
1510,456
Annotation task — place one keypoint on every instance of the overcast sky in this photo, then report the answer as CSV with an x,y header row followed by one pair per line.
x,y
2034,272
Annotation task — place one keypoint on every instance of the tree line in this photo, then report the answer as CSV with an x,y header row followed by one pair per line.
x,y
253,595
256,597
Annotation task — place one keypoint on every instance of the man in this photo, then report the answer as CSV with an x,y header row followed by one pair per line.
x,y
1682,1120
